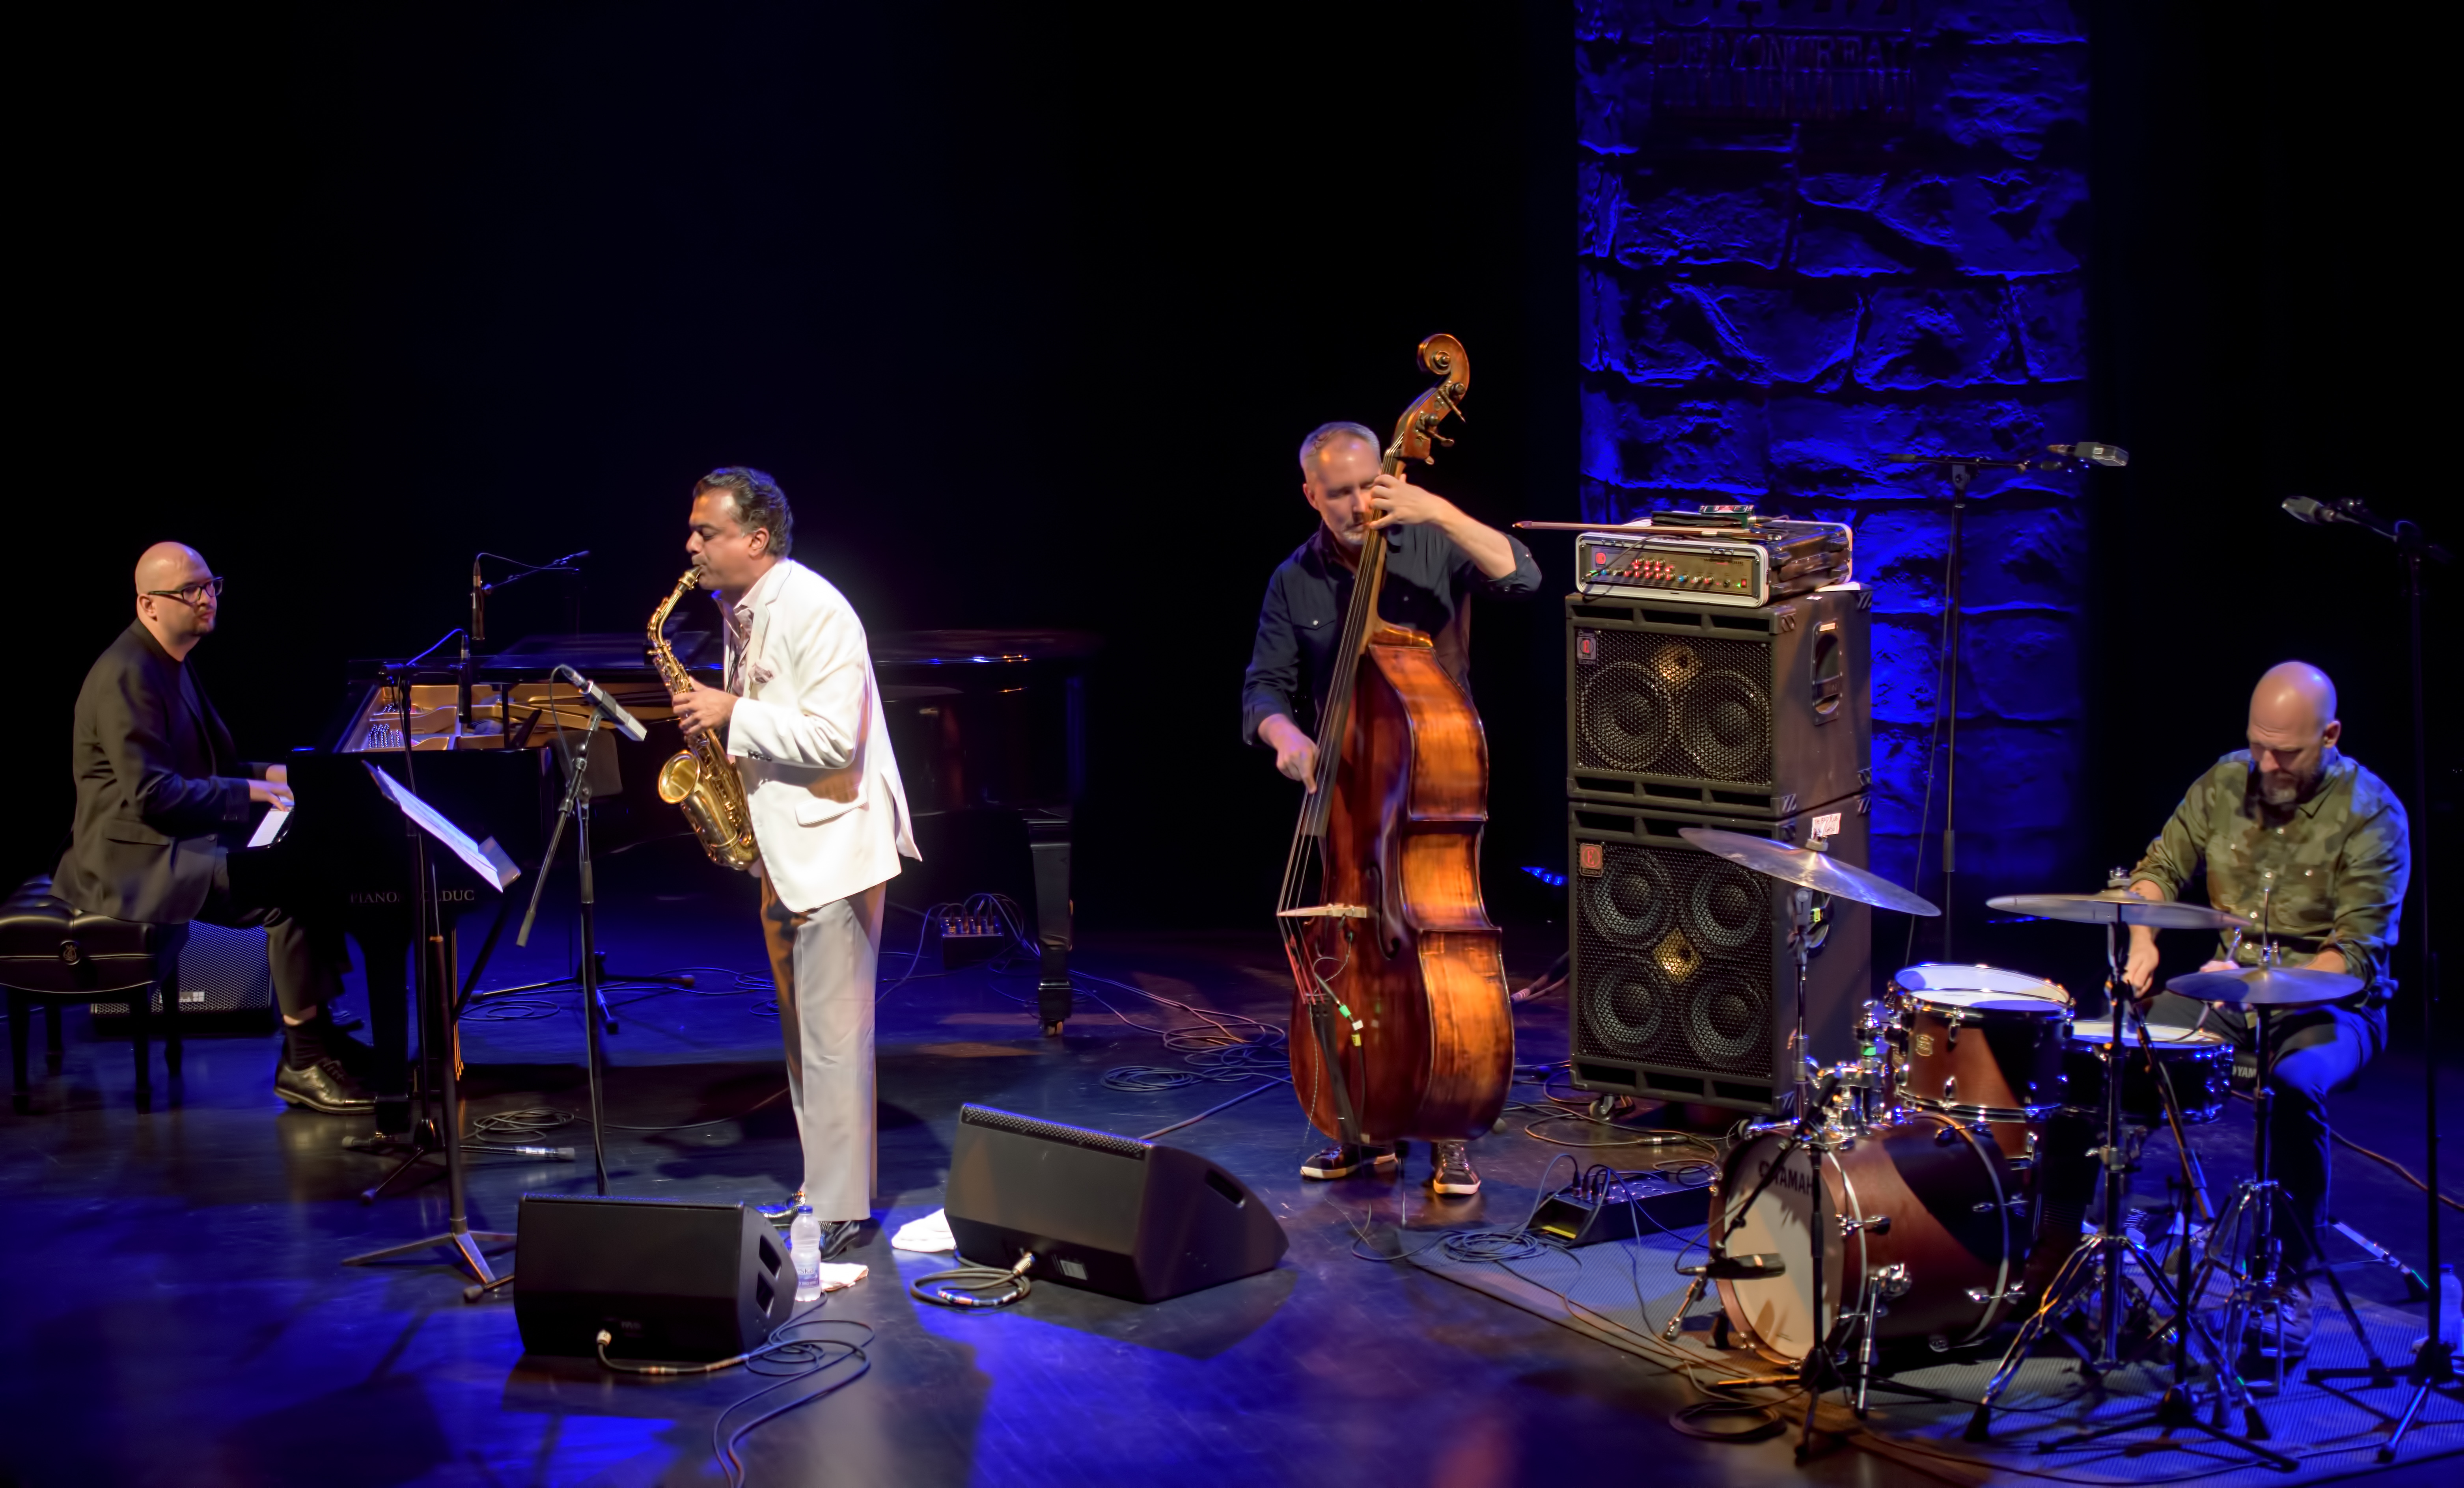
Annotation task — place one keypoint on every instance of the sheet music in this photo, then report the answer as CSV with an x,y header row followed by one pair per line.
x,y
485,858
269,828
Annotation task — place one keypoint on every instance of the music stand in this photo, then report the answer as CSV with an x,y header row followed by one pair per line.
x,y
432,984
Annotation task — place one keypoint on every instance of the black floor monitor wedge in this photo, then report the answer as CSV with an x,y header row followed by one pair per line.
x,y
672,1281
1106,1212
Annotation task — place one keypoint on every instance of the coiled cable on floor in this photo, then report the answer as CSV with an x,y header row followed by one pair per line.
x,y
961,1286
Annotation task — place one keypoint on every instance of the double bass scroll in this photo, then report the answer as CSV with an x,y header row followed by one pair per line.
x,y
1398,974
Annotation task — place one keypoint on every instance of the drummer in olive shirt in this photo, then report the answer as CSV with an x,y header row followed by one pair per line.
x,y
2311,848
1438,557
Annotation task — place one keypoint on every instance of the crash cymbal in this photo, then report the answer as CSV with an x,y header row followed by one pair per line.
x,y
2118,906
1818,871
2266,986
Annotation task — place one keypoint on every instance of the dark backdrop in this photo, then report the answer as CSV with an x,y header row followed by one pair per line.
x,y
2273,319
1026,312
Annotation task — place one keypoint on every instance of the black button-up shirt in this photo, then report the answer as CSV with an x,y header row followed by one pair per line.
x,y
1429,582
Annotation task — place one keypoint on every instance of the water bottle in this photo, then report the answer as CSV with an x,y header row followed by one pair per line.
x,y
805,1244
2450,1311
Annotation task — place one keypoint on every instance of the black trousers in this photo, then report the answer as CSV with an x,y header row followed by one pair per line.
x,y
253,891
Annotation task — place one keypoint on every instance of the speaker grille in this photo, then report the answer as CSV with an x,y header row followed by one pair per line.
x,y
1676,705
1674,962
1053,1131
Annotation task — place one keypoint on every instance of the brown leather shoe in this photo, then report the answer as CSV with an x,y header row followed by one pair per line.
x,y
323,1086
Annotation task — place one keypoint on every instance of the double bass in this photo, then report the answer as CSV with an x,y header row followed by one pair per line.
x,y
1401,1026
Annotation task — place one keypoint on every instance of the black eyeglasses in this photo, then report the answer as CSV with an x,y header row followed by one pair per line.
x,y
190,593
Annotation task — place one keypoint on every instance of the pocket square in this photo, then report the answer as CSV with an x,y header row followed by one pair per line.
x,y
761,676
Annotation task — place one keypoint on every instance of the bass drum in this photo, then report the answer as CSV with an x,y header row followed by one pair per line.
x,y
1944,1266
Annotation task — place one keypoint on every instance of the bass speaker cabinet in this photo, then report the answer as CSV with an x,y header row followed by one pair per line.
x,y
1106,1212
1684,979
1717,710
671,1279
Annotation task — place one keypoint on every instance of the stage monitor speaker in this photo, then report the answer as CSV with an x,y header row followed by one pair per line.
x,y
670,1279
1106,1212
1713,708
1683,982
223,980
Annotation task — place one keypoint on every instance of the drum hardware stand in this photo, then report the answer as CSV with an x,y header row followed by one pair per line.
x,y
432,982
2099,1264
2434,1366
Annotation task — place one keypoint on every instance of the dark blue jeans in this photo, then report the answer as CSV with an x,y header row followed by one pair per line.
x,y
2315,1053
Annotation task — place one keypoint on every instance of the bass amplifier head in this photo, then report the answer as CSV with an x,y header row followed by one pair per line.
x,y
1106,1212
671,1279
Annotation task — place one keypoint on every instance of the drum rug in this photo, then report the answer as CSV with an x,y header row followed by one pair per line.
x,y
1622,1292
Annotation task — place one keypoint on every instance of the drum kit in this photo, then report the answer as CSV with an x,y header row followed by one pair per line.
x,y
1901,1201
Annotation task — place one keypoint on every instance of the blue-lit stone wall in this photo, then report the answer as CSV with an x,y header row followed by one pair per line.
x,y
1888,258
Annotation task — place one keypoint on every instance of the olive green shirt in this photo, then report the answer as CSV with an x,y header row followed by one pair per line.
x,y
2337,860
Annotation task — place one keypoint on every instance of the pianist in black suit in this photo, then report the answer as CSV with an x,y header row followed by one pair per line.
x,y
162,793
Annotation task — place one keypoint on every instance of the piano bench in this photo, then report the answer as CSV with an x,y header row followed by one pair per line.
x,y
51,955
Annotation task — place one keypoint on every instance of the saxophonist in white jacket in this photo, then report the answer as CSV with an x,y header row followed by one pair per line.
x,y
801,718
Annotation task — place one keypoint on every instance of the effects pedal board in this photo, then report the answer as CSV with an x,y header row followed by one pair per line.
x,y
969,939
1636,1206
1719,555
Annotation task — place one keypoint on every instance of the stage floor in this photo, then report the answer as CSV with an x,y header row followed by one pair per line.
x,y
179,1316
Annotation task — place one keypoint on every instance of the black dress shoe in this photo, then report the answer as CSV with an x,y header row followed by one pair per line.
x,y
323,1086
357,1059
839,1237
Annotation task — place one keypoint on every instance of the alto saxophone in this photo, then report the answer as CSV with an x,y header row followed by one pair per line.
x,y
699,778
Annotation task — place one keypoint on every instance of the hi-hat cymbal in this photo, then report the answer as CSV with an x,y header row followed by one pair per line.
x,y
2267,986
2118,906
1818,871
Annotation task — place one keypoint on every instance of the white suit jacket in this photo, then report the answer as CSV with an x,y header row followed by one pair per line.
x,y
810,740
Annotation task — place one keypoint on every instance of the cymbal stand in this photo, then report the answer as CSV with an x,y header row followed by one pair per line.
x,y
2177,1409
2099,1264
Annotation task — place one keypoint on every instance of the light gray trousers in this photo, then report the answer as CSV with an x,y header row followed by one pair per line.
x,y
824,963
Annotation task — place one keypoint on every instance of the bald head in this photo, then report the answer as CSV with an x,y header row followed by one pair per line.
x,y
176,621
2293,724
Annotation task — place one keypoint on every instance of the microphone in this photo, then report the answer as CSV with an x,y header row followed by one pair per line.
x,y
1737,1268
2110,457
2318,514
626,723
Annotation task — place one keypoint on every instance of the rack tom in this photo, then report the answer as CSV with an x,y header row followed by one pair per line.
x,y
1979,1043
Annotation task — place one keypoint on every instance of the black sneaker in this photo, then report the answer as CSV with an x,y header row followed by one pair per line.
x,y
1342,1161
1450,1170
323,1086
783,1211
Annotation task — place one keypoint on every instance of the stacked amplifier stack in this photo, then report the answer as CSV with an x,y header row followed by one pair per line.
x,y
1716,676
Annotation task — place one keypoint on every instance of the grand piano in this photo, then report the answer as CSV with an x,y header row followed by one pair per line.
x,y
989,726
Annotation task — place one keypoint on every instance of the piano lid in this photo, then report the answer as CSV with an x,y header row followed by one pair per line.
x,y
982,647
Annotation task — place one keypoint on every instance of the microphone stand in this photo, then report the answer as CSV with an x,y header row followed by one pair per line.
x,y
576,810
2434,1366
1961,469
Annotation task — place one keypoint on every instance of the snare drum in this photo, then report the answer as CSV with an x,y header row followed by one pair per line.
x,y
1981,1043
1931,1228
2197,1064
